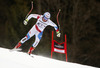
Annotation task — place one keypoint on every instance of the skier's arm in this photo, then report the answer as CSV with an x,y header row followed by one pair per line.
x,y
33,16
55,27
36,16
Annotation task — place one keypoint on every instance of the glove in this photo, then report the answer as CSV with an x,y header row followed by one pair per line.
x,y
25,22
58,34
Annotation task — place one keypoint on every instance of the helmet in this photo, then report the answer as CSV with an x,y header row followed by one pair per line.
x,y
47,15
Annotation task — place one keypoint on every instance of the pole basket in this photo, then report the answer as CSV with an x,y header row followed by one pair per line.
x,y
59,47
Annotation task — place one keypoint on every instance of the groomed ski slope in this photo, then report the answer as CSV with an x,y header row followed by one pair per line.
x,y
14,59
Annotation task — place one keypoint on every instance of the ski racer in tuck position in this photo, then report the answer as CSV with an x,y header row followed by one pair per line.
x,y
42,22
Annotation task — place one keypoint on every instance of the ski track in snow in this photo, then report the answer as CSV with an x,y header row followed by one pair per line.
x,y
14,59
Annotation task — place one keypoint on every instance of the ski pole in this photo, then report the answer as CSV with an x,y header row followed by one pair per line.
x,y
30,10
57,18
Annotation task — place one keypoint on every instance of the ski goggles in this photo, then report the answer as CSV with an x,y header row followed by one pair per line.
x,y
45,18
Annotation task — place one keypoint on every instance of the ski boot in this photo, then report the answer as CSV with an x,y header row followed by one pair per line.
x,y
16,48
30,50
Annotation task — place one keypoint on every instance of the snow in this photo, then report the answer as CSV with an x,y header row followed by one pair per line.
x,y
14,59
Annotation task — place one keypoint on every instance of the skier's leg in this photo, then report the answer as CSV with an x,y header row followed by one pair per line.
x,y
37,40
23,40
27,37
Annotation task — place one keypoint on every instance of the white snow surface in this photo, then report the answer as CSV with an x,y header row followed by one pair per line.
x,y
15,59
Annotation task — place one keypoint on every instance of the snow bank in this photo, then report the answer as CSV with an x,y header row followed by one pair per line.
x,y
14,59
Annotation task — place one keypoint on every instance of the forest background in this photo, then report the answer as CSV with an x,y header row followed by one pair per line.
x,y
79,20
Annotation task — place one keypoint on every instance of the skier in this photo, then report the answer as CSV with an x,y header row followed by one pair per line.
x,y
42,22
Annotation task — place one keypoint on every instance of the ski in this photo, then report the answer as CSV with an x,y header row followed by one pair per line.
x,y
31,55
20,50
14,49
